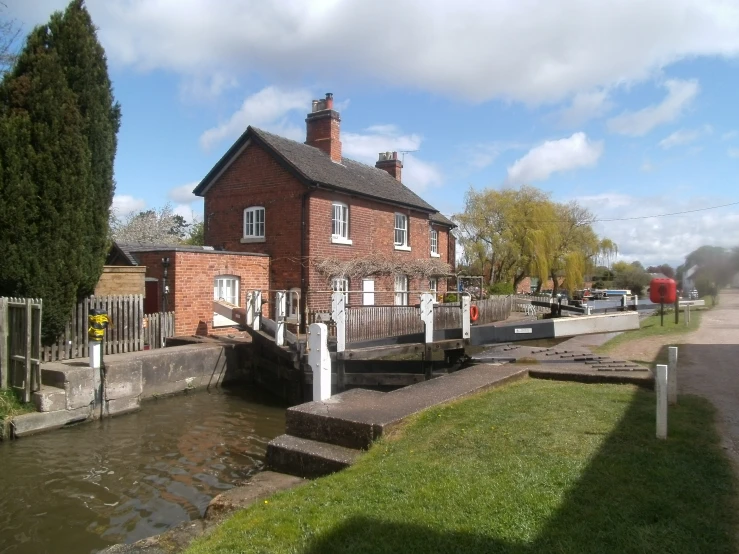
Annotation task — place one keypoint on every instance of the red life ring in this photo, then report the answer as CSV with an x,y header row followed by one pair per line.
x,y
474,313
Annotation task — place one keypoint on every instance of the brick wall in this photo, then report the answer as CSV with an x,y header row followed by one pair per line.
x,y
190,279
257,179
371,230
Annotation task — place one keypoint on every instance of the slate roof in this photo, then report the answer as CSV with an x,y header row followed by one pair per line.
x,y
315,166
129,250
441,219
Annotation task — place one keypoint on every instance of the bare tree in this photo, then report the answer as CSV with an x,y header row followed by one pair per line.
x,y
10,30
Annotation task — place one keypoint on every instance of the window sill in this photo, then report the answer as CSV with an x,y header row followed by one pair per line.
x,y
248,240
339,240
403,248
435,255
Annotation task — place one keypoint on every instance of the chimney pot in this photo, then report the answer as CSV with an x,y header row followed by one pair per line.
x,y
388,161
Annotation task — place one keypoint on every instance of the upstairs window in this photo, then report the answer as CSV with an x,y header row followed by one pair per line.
x,y
254,222
434,241
340,223
401,231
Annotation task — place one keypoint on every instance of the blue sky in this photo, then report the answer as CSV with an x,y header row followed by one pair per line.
x,y
629,108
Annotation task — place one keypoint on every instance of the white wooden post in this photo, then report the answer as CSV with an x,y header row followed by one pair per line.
x,y
257,307
660,387
338,314
687,314
465,316
636,303
94,348
427,316
672,375
250,308
280,310
320,361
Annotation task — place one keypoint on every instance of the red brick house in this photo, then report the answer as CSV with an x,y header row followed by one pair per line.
x,y
303,203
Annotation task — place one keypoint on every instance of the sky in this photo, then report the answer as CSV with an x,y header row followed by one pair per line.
x,y
628,107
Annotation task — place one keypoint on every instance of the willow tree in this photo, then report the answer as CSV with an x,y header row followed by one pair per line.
x,y
509,232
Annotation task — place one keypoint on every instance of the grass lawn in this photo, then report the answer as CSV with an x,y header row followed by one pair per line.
x,y
533,467
651,327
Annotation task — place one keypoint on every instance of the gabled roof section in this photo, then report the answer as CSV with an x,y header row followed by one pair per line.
x,y
315,166
440,219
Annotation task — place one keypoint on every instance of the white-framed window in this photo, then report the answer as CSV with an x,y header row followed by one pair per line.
x,y
226,288
434,242
401,232
341,284
293,304
401,290
340,223
433,285
254,222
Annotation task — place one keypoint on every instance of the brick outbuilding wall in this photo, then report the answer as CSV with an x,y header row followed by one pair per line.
x,y
190,277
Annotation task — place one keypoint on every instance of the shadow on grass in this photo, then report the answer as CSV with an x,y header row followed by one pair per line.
x,y
636,495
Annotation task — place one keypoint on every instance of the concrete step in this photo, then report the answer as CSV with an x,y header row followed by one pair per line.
x,y
342,430
50,399
308,458
27,424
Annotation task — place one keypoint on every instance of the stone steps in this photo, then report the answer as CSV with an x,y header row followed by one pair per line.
x,y
308,458
50,399
27,424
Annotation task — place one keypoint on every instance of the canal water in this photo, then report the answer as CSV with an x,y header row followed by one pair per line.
x,y
80,489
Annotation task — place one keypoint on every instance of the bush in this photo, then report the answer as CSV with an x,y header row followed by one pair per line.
x,y
451,297
501,288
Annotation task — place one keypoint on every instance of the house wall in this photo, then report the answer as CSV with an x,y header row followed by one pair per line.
x,y
372,231
256,178
190,280
120,280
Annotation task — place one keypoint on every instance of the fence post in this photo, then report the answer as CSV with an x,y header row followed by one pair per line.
x,y
250,308
465,303
4,357
280,308
427,316
660,387
257,308
338,314
320,361
636,303
672,375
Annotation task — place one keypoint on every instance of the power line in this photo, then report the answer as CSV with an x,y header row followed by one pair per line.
x,y
669,214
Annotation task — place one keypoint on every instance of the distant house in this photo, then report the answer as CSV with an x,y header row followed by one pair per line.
x,y
306,206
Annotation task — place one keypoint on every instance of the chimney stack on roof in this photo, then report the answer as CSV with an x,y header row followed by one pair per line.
x,y
323,127
388,161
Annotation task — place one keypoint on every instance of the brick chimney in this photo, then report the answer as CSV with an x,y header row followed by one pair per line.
x,y
389,162
323,127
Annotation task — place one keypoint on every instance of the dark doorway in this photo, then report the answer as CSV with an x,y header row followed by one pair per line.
x,y
151,300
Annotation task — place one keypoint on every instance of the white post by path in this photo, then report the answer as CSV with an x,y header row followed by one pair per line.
x,y
257,307
660,387
280,310
672,375
636,303
687,314
338,314
427,316
320,361
465,316
250,308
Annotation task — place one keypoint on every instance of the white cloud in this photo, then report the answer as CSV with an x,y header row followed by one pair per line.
x,y
183,194
684,136
657,240
555,156
584,107
679,96
364,147
729,135
269,109
733,152
124,204
189,214
204,88
528,51
647,166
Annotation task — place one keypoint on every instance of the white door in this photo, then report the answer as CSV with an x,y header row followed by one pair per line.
x,y
368,292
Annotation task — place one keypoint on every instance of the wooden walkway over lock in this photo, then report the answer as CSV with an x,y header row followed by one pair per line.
x,y
301,368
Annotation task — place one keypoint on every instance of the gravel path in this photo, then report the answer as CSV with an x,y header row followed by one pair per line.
x,y
708,365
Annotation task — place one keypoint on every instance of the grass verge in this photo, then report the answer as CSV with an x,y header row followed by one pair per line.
x,y
651,327
10,405
536,466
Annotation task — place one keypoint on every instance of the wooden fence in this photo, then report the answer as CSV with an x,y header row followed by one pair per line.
x,y
126,332
20,344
